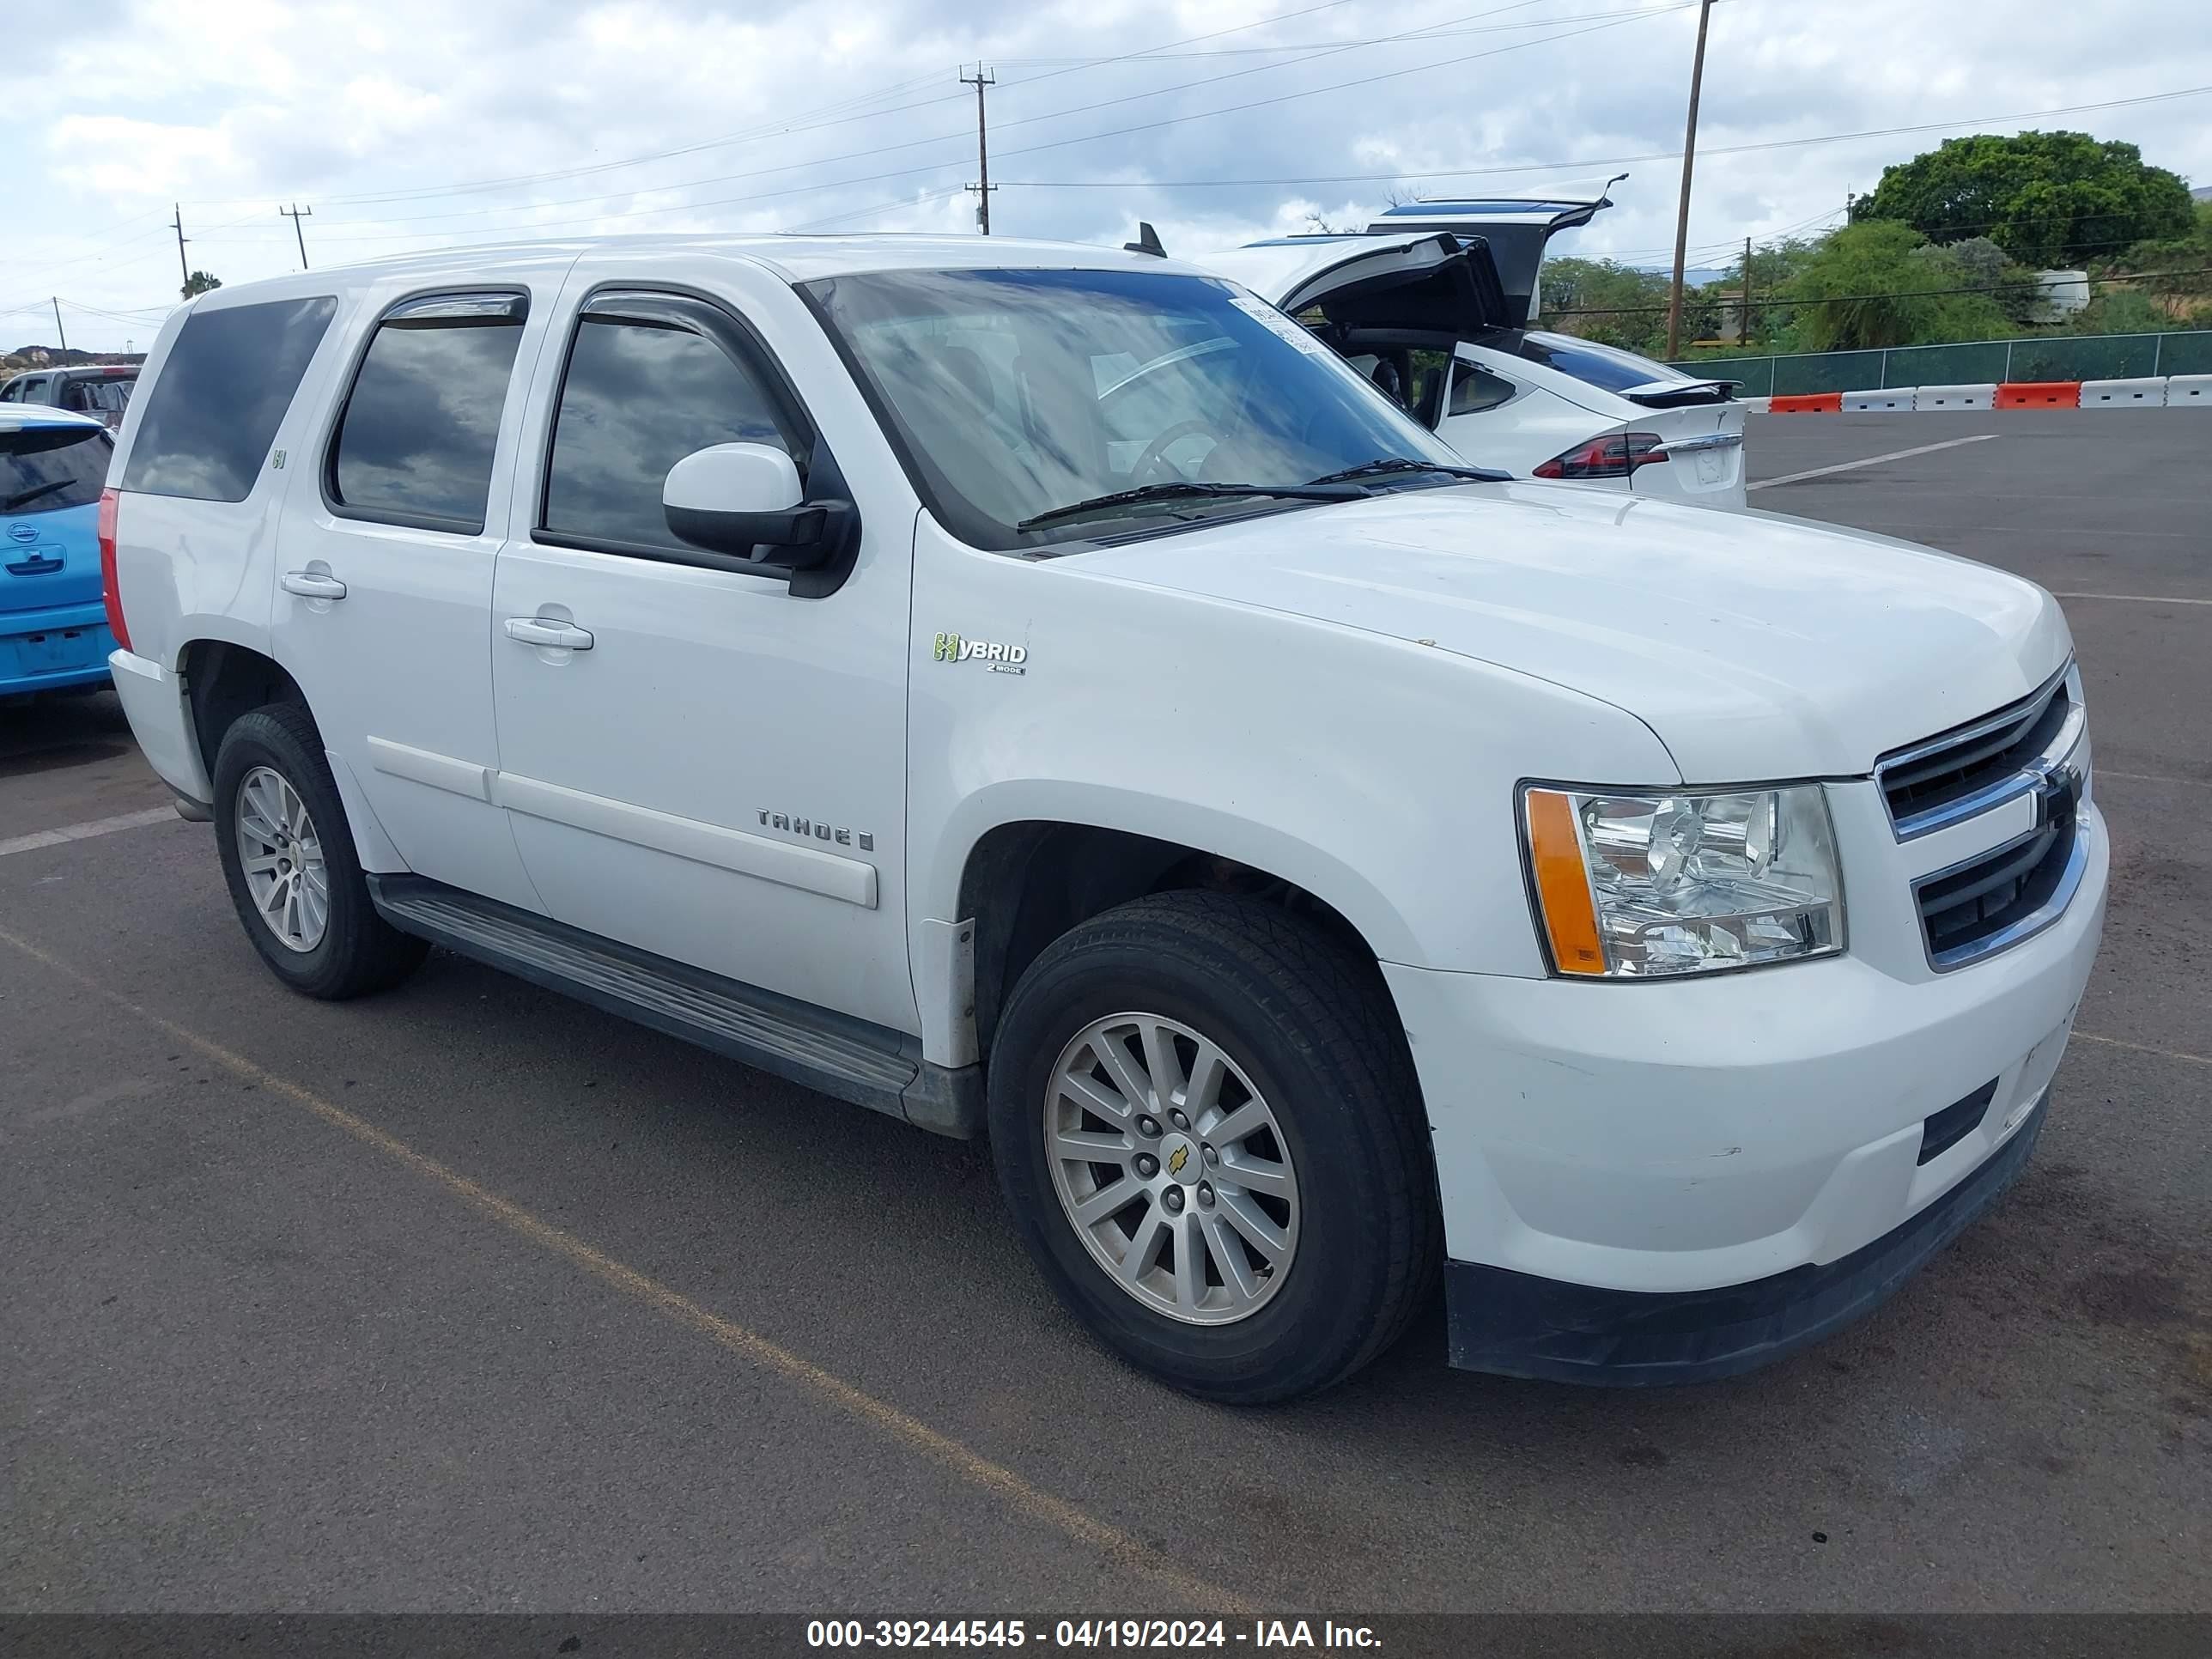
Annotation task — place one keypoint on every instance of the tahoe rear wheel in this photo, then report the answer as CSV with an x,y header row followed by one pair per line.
x,y
1207,1126
289,859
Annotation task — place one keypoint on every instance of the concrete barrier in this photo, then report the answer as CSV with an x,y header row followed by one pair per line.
x,y
2189,392
1896,397
2039,394
2143,392
1807,402
1981,396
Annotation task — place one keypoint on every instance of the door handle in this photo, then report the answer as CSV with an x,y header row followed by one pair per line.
x,y
541,630
308,587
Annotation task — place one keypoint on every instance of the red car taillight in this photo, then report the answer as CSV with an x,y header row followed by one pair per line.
x,y
1614,455
110,592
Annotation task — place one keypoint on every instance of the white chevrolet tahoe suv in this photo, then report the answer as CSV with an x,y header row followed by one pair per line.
x,y
1042,692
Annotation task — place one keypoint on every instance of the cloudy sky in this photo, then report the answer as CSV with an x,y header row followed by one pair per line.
x,y
408,123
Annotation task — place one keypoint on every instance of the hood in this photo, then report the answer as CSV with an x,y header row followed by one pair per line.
x,y
1755,646
1431,284
1516,229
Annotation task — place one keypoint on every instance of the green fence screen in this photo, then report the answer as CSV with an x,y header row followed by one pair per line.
x,y
2047,357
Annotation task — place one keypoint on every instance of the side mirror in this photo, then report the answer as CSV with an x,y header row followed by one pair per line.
x,y
745,499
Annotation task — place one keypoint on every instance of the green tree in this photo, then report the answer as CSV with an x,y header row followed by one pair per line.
x,y
199,282
2182,264
1879,284
1616,301
2046,198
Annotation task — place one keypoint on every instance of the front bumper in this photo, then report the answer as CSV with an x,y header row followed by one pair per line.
x,y
1673,1139
54,647
1515,1325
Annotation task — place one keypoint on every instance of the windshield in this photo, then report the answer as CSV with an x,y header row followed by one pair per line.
x,y
1011,393
43,468
1597,365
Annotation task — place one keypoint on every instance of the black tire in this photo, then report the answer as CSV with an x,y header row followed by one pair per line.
x,y
359,951
1312,1026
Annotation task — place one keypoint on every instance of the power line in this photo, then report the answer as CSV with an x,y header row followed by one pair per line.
x,y
982,78
296,213
939,167
800,123
1584,164
1435,31
1053,115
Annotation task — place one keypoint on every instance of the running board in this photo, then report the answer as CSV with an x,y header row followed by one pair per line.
x,y
868,1065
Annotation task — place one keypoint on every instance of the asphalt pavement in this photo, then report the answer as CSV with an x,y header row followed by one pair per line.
x,y
467,1297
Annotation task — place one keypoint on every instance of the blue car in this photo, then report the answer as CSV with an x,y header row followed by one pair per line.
x,y
53,626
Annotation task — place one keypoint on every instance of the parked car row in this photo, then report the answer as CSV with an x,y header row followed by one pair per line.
x,y
1054,693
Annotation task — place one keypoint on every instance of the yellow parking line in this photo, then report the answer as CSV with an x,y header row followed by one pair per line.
x,y
1111,1542
2145,1048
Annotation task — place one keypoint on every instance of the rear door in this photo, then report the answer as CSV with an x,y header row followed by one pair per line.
x,y
391,533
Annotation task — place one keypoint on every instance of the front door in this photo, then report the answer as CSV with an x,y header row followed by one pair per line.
x,y
697,759
391,532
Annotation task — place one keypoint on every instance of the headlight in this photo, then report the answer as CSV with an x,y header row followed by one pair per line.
x,y
1636,886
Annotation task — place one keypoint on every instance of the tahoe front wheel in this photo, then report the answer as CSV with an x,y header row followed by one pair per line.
x,y
1210,1134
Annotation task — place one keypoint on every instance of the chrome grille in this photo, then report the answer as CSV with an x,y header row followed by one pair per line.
x,y
1995,899
1956,774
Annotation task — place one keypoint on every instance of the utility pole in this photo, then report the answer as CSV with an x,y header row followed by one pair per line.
x,y
1682,212
296,213
982,78
183,270
58,329
1743,325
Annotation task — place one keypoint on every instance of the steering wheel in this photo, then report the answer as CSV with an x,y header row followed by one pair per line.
x,y
1155,456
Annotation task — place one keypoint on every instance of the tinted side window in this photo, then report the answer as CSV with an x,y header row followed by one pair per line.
x,y
1474,389
213,409
1604,365
415,443
43,468
637,400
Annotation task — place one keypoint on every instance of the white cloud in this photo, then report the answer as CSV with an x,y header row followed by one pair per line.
x,y
387,116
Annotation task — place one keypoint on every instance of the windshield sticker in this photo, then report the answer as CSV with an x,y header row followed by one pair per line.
x,y
1275,322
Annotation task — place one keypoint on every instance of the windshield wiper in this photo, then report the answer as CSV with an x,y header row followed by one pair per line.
x,y
1316,491
1401,463
34,493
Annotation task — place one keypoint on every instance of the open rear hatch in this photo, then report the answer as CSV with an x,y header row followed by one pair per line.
x,y
1435,285
1516,229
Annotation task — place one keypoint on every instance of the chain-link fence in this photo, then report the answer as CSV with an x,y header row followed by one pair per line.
x,y
2052,357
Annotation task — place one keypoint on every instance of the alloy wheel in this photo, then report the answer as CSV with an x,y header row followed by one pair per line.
x,y
1171,1169
281,857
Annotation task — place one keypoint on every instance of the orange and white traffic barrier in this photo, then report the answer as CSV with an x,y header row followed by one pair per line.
x,y
2039,394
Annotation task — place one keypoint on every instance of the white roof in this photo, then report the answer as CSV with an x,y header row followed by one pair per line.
x,y
795,258
15,416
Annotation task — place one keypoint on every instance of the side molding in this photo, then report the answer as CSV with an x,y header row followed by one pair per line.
x,y
807,868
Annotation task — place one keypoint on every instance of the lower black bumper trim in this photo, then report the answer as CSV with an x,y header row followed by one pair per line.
x,y
1516,1324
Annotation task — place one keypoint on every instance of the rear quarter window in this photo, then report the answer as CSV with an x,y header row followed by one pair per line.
x,y
214,407
45,468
